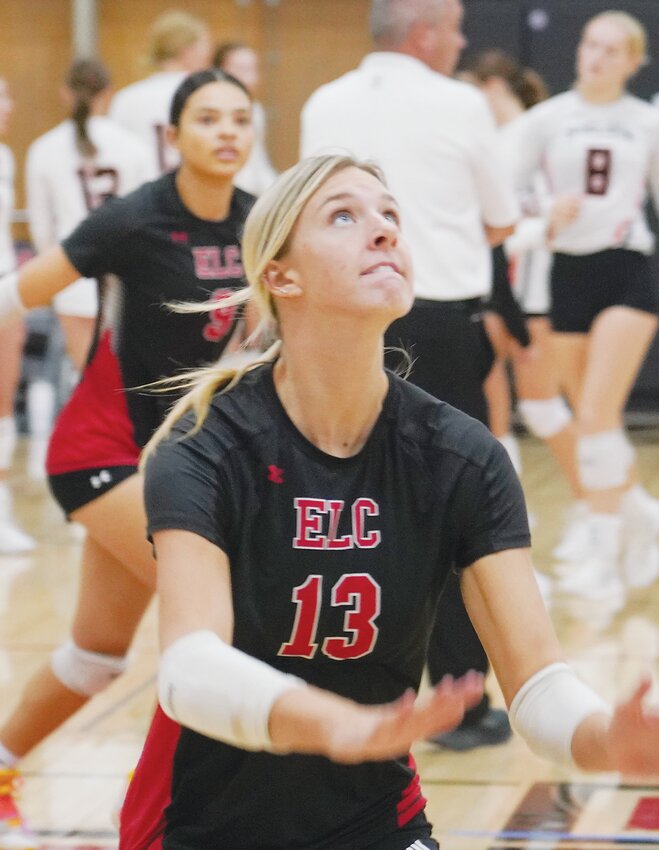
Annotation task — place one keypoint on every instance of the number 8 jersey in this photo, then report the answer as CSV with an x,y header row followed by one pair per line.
x,y
606,153
336,568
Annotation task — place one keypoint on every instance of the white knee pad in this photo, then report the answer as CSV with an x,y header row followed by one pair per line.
x,y
7,441
545,417
604,459
83,672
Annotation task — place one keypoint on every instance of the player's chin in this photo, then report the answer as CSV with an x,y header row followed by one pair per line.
x,y
227,168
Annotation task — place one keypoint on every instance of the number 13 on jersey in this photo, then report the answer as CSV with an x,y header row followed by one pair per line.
x,y
361,593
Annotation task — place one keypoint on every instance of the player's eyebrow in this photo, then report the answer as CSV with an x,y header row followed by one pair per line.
x,y
344,196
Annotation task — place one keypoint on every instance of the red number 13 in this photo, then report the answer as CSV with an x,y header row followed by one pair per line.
x,y
358,590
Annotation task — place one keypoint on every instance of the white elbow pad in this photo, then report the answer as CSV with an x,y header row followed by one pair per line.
x,y
11,306
219,691
549,707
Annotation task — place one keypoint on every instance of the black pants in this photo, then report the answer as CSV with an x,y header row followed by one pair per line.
x,y
451,356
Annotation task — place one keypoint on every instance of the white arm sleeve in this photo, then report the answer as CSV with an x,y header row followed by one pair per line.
x,y
11,306
549,707
219,691
530,233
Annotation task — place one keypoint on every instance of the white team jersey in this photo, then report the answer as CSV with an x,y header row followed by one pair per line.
x,y
607,153
143,108
63,188
7,255
436,141
257,173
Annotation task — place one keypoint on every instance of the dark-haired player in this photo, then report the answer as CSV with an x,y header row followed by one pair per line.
x,y
176,239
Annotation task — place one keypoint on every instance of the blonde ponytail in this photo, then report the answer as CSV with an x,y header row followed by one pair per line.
x,y
201,386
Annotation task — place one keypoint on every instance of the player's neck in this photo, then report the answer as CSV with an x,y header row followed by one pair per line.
x,y
600,95
334,402
207,198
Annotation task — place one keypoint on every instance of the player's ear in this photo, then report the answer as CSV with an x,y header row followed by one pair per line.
x,y
281,281
171,135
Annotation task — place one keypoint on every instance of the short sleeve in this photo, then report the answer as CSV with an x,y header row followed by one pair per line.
x,y
183,489
489,512
98,243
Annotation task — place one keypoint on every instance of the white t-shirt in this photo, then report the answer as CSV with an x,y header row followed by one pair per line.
x,y
257,173
62,189
437,143
7,255
607,153
143,108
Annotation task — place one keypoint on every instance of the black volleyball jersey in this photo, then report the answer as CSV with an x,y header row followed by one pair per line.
x,y
336,568
156,252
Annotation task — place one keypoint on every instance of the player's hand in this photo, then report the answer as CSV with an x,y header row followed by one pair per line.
x,y
564,212
633,735
374,733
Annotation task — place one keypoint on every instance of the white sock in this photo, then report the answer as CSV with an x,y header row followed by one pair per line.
x,y
605,533
5,503
7,441
7,758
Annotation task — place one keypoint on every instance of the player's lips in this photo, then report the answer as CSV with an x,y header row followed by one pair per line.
x,y
384,264
227,153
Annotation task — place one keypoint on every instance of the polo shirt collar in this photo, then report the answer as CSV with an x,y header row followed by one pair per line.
x,y
392,59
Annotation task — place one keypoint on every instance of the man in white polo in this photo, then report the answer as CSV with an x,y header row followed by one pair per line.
x,y
436,141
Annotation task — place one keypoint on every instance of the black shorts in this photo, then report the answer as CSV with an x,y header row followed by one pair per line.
x,y
413,836
73,490
451,352
583,286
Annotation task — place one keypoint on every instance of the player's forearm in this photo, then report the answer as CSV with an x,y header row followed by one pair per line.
x,y
310,719
590,748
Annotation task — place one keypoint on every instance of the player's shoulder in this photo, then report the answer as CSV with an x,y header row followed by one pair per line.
x,y
438,428
129,93
58,135
235,417
646,111
129,214
109,129
242,202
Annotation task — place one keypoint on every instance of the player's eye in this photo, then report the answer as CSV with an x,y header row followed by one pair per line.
x,y
393,216
342,217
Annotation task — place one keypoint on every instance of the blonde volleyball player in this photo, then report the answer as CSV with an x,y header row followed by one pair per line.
x,y
174,239
510,90
305,515
599,149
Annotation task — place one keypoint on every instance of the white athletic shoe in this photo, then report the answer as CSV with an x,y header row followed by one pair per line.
x,y
597,577
575,540
13,540
17,839
640,526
